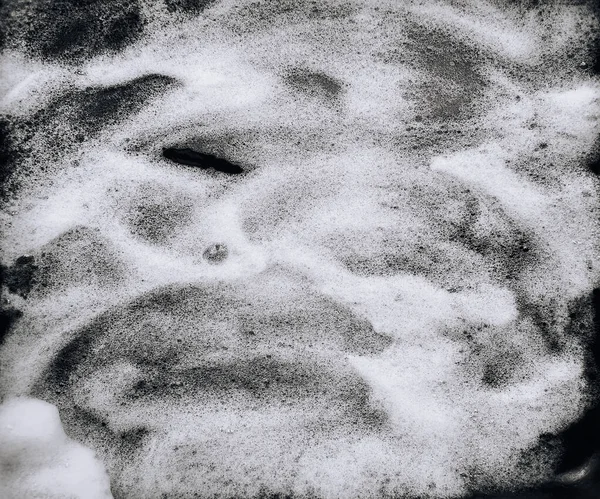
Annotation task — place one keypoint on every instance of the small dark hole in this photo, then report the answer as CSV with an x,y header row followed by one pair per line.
x,y
189,157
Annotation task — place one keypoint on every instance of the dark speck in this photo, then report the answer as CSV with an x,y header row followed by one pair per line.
x,y
216,253
189,157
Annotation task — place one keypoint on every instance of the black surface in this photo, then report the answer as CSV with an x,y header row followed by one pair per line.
x,y
70,30
189,157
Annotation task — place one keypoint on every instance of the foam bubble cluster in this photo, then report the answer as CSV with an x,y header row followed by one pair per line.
x,y
336,249
39,460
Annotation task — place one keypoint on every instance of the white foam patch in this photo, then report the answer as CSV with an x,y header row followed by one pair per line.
x,y
39,460
504,37
21,80
361,204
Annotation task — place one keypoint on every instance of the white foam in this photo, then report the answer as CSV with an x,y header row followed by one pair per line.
x,y
330,184
38,460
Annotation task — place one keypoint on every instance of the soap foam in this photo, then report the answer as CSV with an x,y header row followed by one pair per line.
x,y
39,460
411,244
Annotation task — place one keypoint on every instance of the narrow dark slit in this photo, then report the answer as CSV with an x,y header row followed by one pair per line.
x,y
189,157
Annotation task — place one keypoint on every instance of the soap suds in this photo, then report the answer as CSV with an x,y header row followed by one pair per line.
x,y
338,249
39,460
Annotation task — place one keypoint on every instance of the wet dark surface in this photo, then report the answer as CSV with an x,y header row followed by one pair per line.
x,y
261,15
157,222
498,371
19,277
12,150
70,30
133,332
89,110
593,162
314,83
577,447
79,256
176,364
476,224
189,157
8,316
14,280
594,45
188,6
452,80
582,438
70,118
